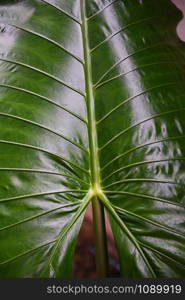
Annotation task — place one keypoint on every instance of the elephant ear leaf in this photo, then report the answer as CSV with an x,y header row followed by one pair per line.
x,y
91,110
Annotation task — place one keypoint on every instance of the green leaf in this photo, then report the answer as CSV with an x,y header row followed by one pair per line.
x,y
91,110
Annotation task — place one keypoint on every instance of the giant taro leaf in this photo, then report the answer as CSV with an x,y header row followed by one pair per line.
x,y
92,106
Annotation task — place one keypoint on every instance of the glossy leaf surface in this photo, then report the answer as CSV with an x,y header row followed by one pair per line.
x,y
91,104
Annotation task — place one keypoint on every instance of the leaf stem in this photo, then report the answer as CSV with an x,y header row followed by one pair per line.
x,y
100,238
129,234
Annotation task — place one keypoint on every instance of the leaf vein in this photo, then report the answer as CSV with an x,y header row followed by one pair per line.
x,y
46,151
139,123
119,31
43,98
145,197
45,128
48,40
63,11
43,73
139,147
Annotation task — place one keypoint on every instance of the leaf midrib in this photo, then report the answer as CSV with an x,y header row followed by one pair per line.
x,y
93,138
90,102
